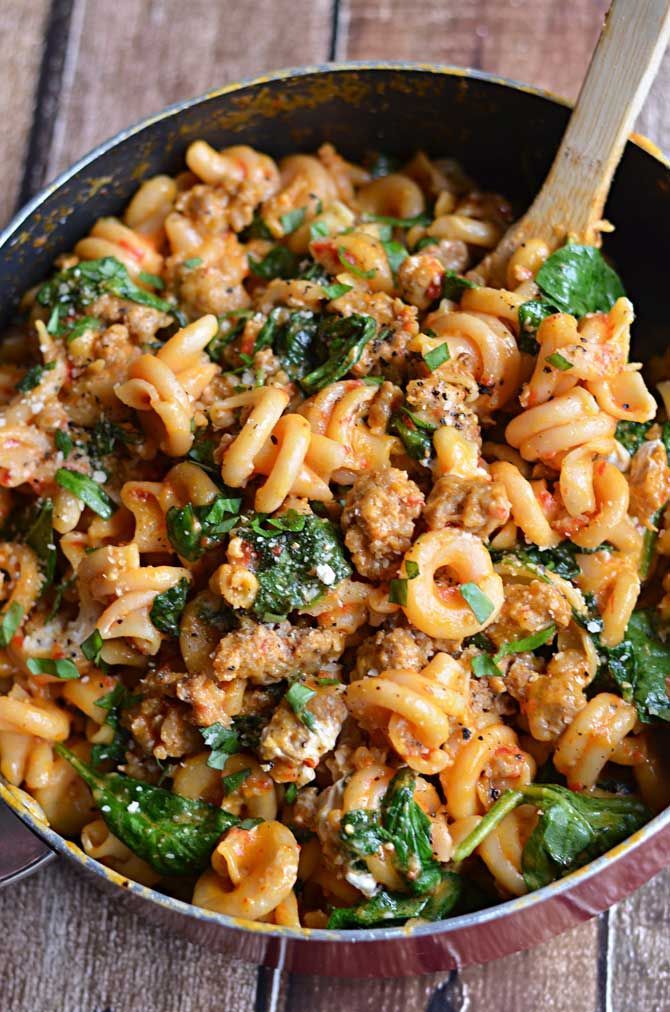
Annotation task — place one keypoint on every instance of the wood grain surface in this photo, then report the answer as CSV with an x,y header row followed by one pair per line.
x,y
75,71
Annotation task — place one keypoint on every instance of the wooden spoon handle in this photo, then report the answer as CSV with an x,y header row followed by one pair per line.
x,y
623,66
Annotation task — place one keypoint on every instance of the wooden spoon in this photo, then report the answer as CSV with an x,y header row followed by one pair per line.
x,y
572,199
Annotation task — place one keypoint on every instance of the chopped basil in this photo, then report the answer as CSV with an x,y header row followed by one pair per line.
x,y
152,280
437,356
92,647
335,290
79,286
62,668
395,254
478,603
297,697
412,569
192,262
398,591
559,361
454,285
425,241
234,781
318,230
484,666
345,259
64,442
90,493
292,220
10,620
290,794
223,742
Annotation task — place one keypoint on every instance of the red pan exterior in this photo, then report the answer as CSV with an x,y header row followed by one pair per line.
x,y
396,108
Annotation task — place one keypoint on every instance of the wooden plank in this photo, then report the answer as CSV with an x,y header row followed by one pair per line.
x,y
87,954
527,42
524,982
638,950
21,34
140,56
545,43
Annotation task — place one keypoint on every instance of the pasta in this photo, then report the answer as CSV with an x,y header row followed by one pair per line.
x,y
333,580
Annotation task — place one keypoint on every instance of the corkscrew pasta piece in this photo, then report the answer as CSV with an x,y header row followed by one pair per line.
x,y
484,344
439,609
99,843
164,386
419,705
339,412
592,739
253,871
109,237
485,765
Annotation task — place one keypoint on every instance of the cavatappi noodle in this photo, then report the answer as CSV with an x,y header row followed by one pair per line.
x,y
348,570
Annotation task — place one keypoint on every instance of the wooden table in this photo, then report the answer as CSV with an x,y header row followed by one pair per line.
x,y
73,73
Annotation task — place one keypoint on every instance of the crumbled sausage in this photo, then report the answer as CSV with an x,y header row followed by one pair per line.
x,y
293,747
378,519
264,654
473,504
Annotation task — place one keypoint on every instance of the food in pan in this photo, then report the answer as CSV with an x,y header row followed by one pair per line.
x,y
335,582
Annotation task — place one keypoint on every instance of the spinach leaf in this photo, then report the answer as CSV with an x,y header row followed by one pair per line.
x,y
167,608
79,286
409,828
416,434
632,435
193,530
640,666
106,435
396,908
175,835
39,536
341,343
560,560
362,832
292,571
202,452
113,702
293,342
278,263
531,315
577,280
572,829
89,491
